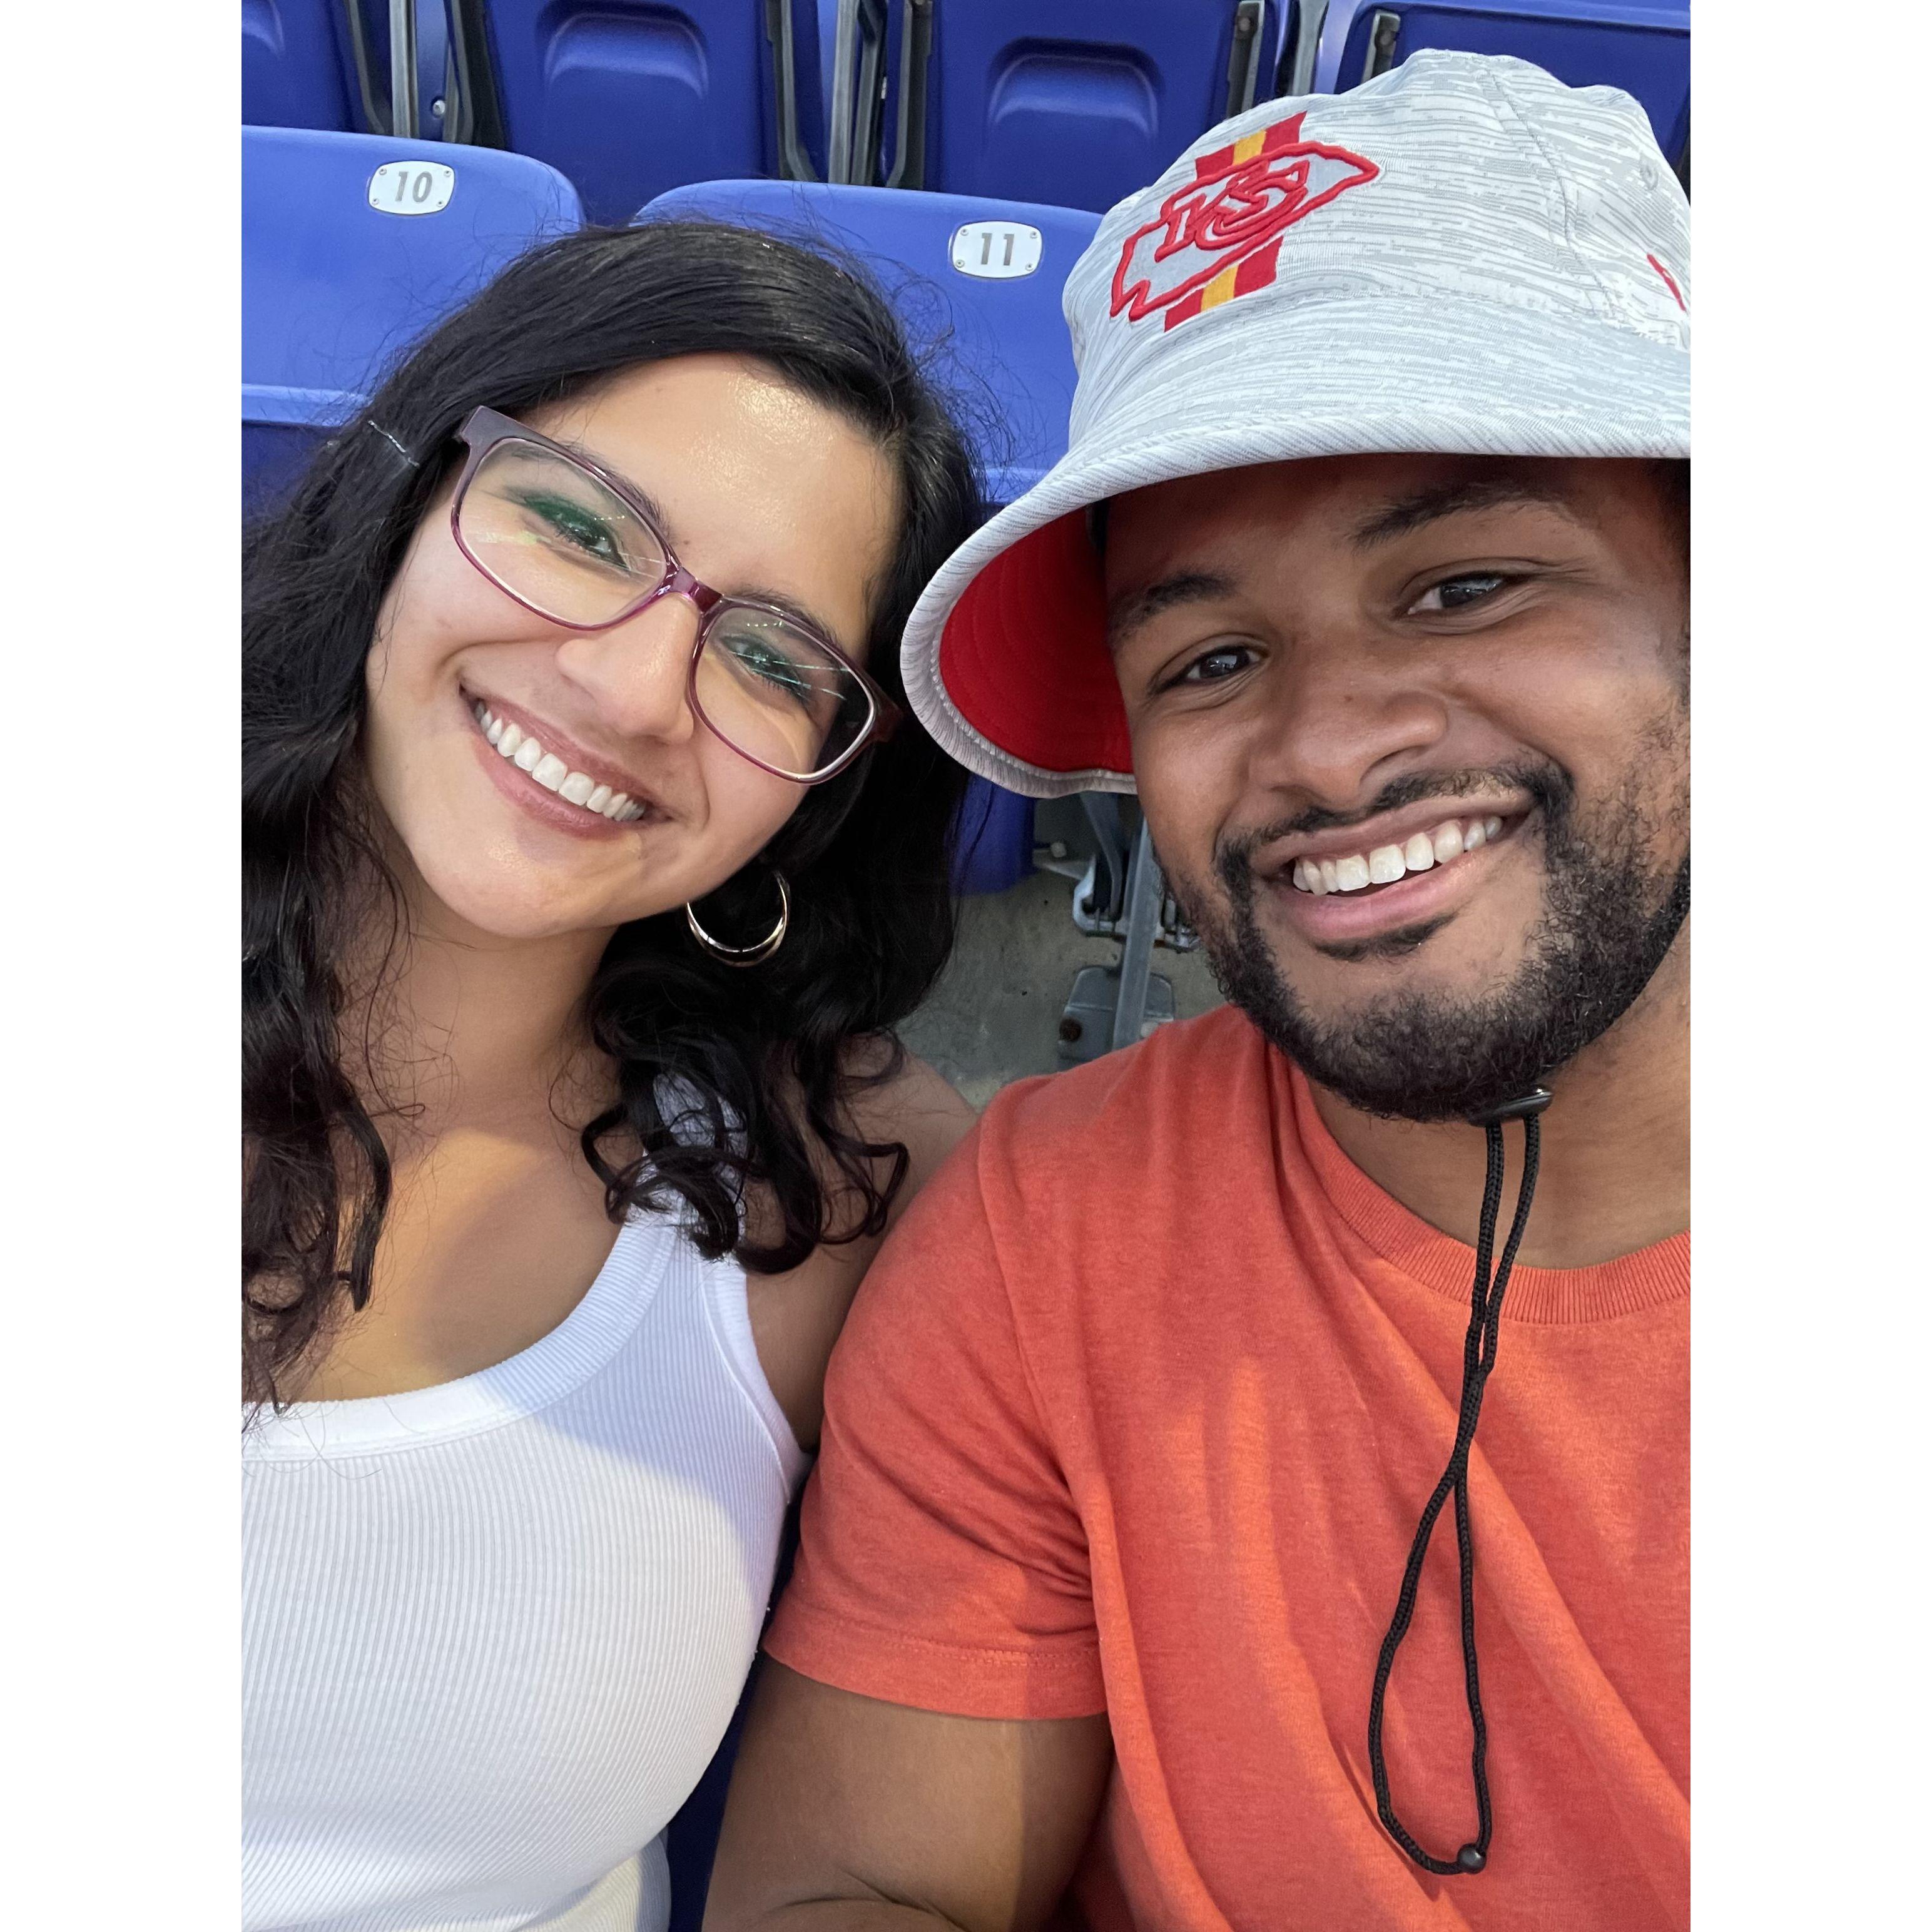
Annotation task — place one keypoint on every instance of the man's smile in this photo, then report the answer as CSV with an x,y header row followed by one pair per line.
x,y
1401,870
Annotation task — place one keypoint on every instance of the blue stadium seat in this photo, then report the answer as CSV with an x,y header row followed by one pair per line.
x,y
994,340
630,97
993,839
292,70
1064,100
1643,46
342,269
319,63
999,339
1285,22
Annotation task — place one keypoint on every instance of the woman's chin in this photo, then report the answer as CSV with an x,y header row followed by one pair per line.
x,y
514,879
509,906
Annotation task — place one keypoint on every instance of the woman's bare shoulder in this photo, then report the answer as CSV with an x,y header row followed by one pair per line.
x,y
915,1104
796,1316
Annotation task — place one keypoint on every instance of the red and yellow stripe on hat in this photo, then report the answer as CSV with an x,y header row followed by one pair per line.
x,y
1255,271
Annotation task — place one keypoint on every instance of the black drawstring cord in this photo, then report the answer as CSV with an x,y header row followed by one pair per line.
x,y
1479,1358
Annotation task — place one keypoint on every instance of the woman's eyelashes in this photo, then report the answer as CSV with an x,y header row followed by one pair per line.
x,y
582,529
771,667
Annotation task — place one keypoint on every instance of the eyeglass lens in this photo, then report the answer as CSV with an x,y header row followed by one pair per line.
x,y
548,532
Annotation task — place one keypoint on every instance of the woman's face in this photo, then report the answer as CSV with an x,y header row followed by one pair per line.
x,y
764,493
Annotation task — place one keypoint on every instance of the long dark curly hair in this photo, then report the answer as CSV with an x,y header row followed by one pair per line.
x,y
725,1078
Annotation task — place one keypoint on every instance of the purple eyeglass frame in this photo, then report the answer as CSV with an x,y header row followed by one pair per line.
x,y
484,428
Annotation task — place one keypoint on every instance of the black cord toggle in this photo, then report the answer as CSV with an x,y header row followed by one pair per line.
x,y
1525,1107
1479,1358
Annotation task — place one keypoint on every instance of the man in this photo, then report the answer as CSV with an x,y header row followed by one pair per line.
x,y
1367,567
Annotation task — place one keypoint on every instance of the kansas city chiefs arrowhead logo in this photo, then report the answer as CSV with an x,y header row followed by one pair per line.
x,y
1217,236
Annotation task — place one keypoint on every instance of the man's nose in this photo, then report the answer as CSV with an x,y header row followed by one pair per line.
x,y
638,673
1344,714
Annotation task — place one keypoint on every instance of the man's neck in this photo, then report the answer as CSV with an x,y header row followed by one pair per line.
x,y
1615,1170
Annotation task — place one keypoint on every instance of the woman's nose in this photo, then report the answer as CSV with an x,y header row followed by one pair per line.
x,y
638,673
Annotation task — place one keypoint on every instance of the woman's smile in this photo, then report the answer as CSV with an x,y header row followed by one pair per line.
x,y
537,767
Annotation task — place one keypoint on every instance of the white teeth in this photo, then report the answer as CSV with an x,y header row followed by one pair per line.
x,y
1386,865
553,774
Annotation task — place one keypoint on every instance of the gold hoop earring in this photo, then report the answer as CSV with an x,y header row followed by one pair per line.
x,y
745,955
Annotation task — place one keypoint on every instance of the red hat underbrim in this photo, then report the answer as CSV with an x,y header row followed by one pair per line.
x,y
1023,655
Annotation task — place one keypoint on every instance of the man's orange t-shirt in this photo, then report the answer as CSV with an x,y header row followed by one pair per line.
x,y
1135,1413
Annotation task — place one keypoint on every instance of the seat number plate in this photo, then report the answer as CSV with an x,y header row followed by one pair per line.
x,y
996,251
411,188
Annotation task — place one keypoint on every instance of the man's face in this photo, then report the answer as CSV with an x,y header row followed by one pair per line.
x,y
1412,733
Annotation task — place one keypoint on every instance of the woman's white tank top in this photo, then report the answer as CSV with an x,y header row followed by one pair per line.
x,y
494,1631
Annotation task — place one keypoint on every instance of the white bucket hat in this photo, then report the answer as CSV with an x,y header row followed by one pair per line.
x,y
1462,256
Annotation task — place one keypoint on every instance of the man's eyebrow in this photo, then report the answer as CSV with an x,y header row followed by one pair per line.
x,y
1398,517
1133,608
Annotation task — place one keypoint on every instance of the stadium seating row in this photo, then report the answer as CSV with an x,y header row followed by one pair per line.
x,y
1058,100
626,98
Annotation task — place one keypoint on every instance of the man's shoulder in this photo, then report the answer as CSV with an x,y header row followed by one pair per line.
x,y
1079,1194
1144,1118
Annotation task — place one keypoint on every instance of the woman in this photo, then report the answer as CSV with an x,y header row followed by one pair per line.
x,y
589,861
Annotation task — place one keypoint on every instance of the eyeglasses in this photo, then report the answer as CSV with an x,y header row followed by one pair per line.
x,y
575,545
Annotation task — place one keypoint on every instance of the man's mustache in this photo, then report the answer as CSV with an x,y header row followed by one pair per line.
x,y
1547,784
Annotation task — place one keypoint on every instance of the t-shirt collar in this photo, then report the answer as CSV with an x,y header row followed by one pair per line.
x,y
1649,1278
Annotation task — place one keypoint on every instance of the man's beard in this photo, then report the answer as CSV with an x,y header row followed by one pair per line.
x,y
1609,919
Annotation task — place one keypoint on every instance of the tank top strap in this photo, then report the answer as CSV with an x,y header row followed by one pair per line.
x,y
728,1305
